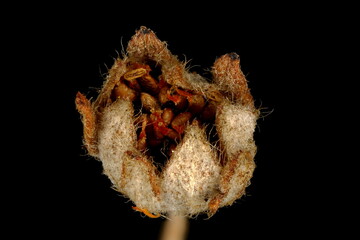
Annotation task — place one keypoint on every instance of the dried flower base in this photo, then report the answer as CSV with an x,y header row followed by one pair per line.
x,y
168,139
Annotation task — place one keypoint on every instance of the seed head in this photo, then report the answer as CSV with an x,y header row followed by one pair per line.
x,y
168,139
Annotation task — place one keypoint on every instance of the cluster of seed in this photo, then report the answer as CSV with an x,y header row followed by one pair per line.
x,y
162,110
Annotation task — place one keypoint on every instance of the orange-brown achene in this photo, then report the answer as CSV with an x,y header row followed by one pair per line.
x,y
170,140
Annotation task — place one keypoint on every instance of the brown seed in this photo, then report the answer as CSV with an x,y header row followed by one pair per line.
x,y
196,104
142,136
167,116
124,92
149,102
158,135
163,95
157,125
180,121
136,73
208,114
173,134
149,84
134,84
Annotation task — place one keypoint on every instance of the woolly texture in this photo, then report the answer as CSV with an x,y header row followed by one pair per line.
x,y
235,122
116,135
172,142
192,174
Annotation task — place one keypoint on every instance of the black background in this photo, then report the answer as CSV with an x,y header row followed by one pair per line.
x,y
73,49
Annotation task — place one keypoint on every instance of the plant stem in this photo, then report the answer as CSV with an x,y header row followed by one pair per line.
x,y
175,228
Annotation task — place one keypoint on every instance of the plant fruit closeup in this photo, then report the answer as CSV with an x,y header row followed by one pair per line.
x,y
168,139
